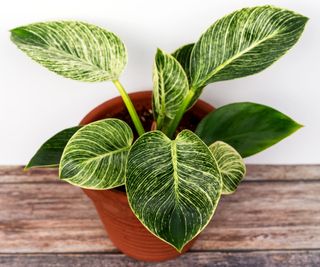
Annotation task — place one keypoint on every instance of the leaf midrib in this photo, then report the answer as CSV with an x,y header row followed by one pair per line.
x,y
175,169
106,154
228,137
69,55
85,162
236,56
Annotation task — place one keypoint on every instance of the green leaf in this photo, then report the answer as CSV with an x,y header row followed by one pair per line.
x,y
73,49
50,152
173,186
96,155
170,87
231,166
183,55
243,43
248,127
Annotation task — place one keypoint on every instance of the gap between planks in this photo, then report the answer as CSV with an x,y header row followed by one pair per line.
x,y
221,259
16,174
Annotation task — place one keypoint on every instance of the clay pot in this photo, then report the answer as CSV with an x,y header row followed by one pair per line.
x,y
124,229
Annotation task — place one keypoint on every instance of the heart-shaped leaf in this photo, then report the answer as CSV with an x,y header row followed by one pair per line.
x,y
170,87
248,127
73,49
96,155
173,186
49,154
243,43
231,165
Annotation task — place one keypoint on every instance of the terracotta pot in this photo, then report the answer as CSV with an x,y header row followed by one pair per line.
x,y
124,229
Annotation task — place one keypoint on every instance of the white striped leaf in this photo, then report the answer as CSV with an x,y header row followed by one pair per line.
x,y
96,155
243,43
170,86
231,165
73,49
183,55
173,186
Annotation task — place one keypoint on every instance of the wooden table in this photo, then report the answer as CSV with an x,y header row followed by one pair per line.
x,y
272,220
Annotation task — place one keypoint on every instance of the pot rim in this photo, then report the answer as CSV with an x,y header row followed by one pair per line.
x,y
115,101
89,117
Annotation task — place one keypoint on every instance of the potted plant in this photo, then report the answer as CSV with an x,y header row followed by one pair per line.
x,y
156,177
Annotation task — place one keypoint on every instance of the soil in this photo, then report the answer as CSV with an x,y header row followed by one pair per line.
x,y
189,121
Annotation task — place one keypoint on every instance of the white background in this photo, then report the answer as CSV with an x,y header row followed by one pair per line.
x,y
35,103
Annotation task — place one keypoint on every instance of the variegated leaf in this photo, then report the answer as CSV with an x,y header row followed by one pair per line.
x,y
183,55
231,165
170,86
49,154
96,156
173,186
243,43
73,49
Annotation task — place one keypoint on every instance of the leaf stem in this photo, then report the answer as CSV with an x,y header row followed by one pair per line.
x,y
132,111
175,122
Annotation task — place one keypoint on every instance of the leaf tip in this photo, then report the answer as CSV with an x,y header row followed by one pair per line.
x,y
26,168
14,30
17,32
14,33
159,56
300,125
29,165
61,173
160,52
178,247
297,126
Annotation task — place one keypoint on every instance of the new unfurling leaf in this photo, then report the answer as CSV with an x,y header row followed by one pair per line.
x,y
170,85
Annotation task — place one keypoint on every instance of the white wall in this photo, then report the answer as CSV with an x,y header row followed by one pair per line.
x,y
35,103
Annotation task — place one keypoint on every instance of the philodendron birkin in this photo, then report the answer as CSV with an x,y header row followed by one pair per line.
x,y
173,180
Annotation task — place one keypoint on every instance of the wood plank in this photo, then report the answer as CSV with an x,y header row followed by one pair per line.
x,y
282,172
49,218
15,174
221,259
261,215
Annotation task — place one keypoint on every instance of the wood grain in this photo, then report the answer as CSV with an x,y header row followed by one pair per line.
x,y
273,219
283,172
16,174
192,259
260,215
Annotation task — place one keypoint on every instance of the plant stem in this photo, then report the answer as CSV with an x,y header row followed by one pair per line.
x,y
132,111
175,122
